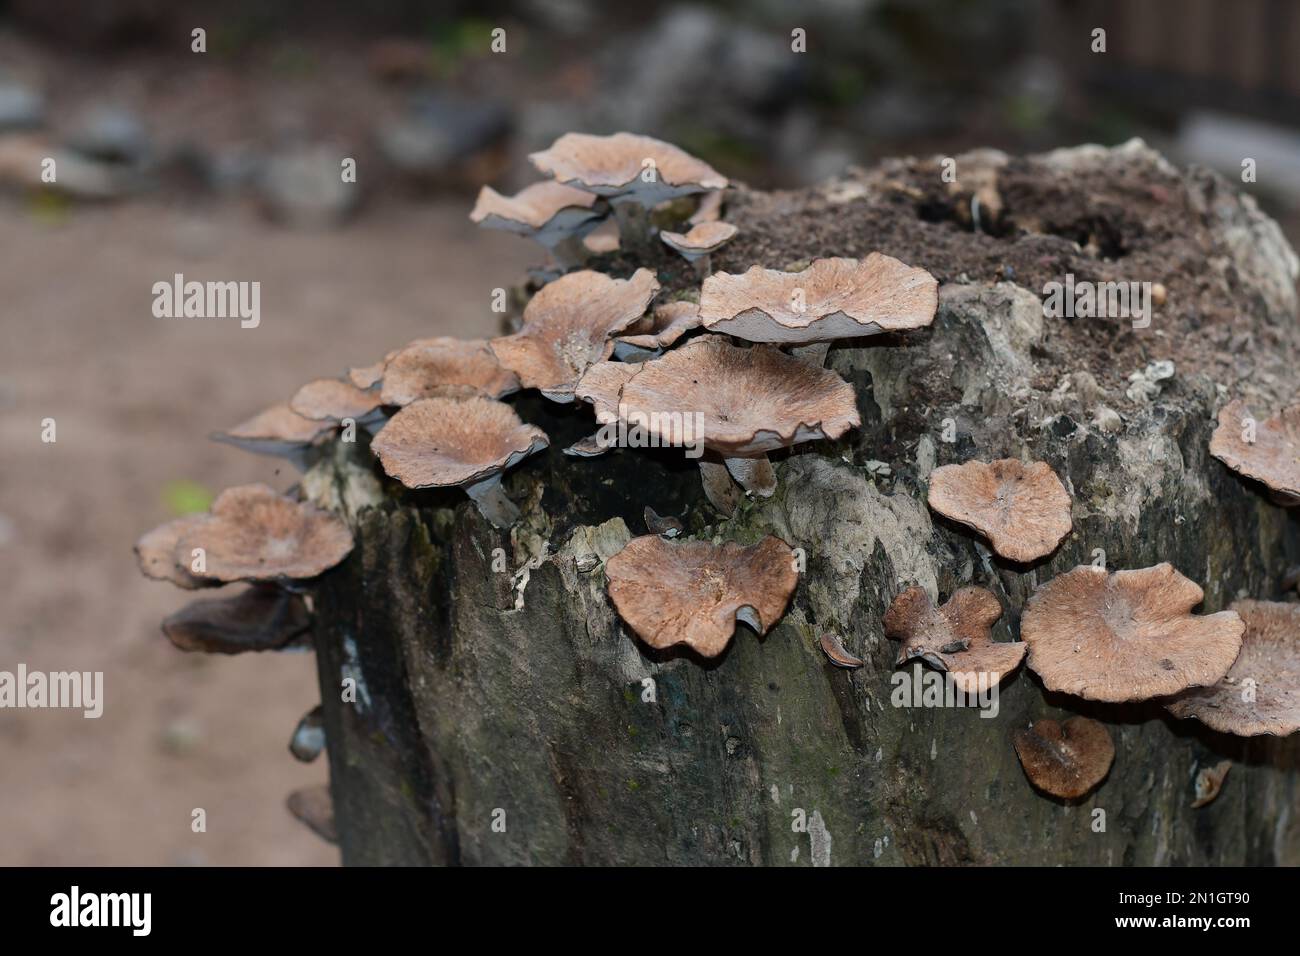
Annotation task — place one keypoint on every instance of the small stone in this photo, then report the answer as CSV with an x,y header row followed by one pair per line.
x,y
20,106
1107,420
1158,295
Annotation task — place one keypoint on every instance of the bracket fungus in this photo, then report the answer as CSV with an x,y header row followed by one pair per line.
x,y
1261,693
634,173
278,431
314,808
954,637
156,554
1066,760
445,367
1126,636
568,326
470,444
260,618
553,214
1267,451
699,244
667,323
333,400
1023,509
739,403
831,299
256,534
694,592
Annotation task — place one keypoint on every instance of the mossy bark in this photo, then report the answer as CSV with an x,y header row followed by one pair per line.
x,y
504,714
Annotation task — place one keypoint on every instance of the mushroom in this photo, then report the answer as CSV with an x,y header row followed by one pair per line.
x,y
445,368
955,637
1261,693
255,534
740,403
1065,760
445,443
1126,636
368,376
333,400
698,245
835,652
667,323
831,299
693,592
278,431
553,214
634,173
1267,451
1209,781
156,554
260,618
1023,509
666,525
709,209
308,740
314,807
568,325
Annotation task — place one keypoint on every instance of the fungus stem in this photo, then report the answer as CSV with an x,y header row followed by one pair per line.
x,y
493,503
755,475
633,228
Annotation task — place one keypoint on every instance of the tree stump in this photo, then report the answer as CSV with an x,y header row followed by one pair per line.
x,y
505,716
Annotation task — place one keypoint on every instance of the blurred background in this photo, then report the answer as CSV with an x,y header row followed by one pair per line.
x,y
224,165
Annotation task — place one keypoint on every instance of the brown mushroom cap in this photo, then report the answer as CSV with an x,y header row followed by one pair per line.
x,y
1023,509
368,376
1272,458
693,592
613,166
332,399
277,430
831,299
445,368
1065,760
255,534
1209,781
954,637
156,554
444,443
1126,636
314,807
704,238
568,325
261,618
1261,693
667,323
753,400
548,211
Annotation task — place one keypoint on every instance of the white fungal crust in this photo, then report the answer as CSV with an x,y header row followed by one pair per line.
x,y
832,299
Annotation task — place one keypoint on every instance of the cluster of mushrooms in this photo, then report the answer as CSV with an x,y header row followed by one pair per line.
x,y
744,355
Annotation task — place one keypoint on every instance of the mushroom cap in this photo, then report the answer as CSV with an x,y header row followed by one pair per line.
x,y
255,534
546,210
1126,636
1066,759
692,592
446,443
273,431
332,399
314,807
703,239
156,554
612,166
668,322
568,325
954,637
831,299
1272,458
368,376
751,400
1270,657
709,209
1023,509
260,618
445,368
